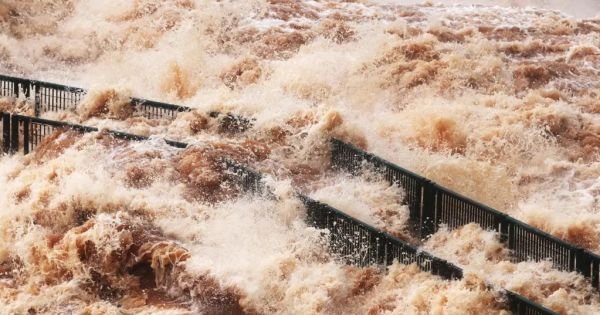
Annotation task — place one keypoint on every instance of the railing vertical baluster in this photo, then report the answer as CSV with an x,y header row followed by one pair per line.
x,y
16,88
14,134
596,272
6,132
27,88
26,124
37,101
62,99
34,135
573,259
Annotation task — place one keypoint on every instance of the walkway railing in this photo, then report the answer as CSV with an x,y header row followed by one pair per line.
x,y
431,205
358,243
352,240
52,97
25,133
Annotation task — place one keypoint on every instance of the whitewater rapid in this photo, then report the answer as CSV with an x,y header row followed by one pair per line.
x,y
500,103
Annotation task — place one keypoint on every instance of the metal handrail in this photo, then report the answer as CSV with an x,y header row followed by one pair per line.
x,y
436,201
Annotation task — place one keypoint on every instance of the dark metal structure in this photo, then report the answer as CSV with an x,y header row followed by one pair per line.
x,y
431,205
51,97
353,241
358,243
25,133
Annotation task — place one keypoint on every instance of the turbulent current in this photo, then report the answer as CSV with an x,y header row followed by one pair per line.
x,y
500,103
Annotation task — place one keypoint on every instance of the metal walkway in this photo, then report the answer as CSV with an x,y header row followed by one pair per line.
x,y
351,240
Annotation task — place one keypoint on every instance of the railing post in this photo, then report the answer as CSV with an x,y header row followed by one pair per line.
x,y
573,263
26,88
36,100
16,88
428,212
26,124
583,262
6,133
14,134
595,272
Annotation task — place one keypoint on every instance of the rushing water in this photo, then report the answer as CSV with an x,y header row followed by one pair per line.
x,y
500,103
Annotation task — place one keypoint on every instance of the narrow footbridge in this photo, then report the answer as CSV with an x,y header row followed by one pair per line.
x,y
352,241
